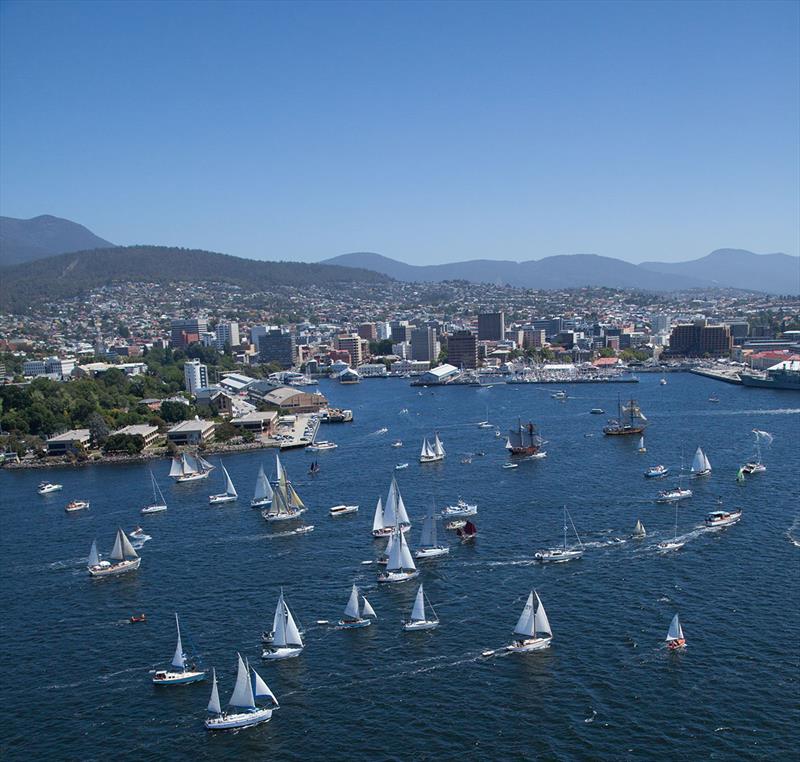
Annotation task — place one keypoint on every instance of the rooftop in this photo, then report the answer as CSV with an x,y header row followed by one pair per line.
x,y
71,436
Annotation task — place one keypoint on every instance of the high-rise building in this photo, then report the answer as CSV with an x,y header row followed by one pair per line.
x,y
424,344
368,331
277,346
195,376
462,349
351,343
533,338
186,332
699,339
550,326
384,331
208,339
739,331
491,326
228,333
660,323
401,331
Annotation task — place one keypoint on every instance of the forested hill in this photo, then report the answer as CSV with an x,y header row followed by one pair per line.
x,y
68,275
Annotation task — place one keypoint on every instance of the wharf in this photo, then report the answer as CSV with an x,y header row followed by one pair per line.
x,y
728,376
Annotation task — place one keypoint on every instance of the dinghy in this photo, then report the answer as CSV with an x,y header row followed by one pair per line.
x,y
286,639
182,670
675,639
400,566
532,632
123,558
355,617
159,504
263,492
419,619
246,712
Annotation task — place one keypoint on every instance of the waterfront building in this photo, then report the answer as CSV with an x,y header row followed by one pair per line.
x,y
191,432
491,326
372,370
402,350
699,339
277,346
291,399
351,343
69,441
184,332
462,349
144,430
442,374
424,344
195,375
257,422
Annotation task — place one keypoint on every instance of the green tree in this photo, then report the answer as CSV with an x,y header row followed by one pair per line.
x,y
172,412
98,429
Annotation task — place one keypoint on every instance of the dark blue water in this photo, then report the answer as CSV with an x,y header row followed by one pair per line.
x,y
76,681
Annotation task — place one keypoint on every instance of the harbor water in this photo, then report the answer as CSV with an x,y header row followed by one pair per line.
x,y
77,675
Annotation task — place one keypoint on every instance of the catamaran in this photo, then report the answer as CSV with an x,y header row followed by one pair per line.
x,y
533,632
182,669
286,639
700,464
246,713
159,504
626,421
355,617
263,491
419,619
639,531
460,510
429,546
189,468
523,440
431,453
675,639
230,491
400,566
755,466
123,556
722,518
391,515
45,488
560,555
286,503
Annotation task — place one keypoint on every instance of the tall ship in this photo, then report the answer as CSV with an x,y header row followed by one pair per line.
x,y
286,503
189,468
630,420
784,375
524,439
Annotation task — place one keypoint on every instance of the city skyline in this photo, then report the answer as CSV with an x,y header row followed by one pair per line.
x,y
429,133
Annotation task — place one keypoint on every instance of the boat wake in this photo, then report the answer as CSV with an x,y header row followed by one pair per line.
x,y
591,719
138,544
793,531
289,533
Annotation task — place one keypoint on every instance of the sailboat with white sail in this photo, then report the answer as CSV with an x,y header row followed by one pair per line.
x,y
533,631
675,638
431,453
676,493
392,514
400,566
230,491
674,543
755,466
420,620
486,424
286,503
263,491
639,531
430,546
286,639
642,448
245,711
700,464
189,468
123,558
183,669
159,504
356,616
567,553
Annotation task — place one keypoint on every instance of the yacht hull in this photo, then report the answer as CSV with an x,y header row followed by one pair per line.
x,y
153,509
115,569
425,553
260,503
276,654
243,720
178,678
356,624
526,646
192,477
418,626
388,577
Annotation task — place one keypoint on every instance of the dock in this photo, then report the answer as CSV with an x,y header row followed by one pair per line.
x,y
728,375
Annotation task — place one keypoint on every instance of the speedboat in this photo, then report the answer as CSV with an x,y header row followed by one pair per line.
x,y
720,518
537,456
76,505
400,466
673,495
656,472
560,395
138,534
398,443
457,524
45,488
713,398
597,411
343,510
461,508
510,465
320,446
754,468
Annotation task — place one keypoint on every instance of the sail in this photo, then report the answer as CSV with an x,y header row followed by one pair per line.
x,y
438,448
698,463
764,436
263,490
540,623
740,475
351,610
279,623
230,490
675,629
176,469
367,610
402,515
639,529
204,465
514,437
127,549
294,499
405,554
641,443
390,506
280,478
117,551
190,465
213,704
508,443
395,551
243,690
706,462
426,451
428,539
94,556
525,623
178,660
279,506
377,521
261,689
418,612
292,632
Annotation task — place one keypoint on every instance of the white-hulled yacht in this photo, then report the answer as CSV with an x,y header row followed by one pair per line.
x,y
419,618
533,632
560,555
263,491
400,566
123,558
230,491
159,504
189,468
183,669
244,712
356,616
430,546
286,639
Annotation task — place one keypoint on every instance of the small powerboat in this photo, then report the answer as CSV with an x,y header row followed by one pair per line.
x,y
673,495
460,509
754,468
560,395
343,510
656,472
138,618
597,411
400,466
45,488
455,525
722,518
76,505
322,446
398,443
138,534
510,465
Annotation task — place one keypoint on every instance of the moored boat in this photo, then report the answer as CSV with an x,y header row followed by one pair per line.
x,y
322,446
245,711
123,558
183,669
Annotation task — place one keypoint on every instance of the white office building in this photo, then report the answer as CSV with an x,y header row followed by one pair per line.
x,y
195,375
228,333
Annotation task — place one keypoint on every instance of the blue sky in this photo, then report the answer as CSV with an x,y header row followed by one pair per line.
x,y
428,132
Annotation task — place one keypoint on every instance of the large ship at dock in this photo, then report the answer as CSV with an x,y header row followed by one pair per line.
x,y
784,375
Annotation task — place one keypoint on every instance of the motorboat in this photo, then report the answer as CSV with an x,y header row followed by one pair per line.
x,y
420,620
561,555
159,504
673,495
656,472
398,443
401,466
343,510
124,558
722,518
138,618
597,411
460,510
559,395
76,505
510,465
138,534
230,491
183,669
663,382
713,398
457,524
245,712
322,446
754,468
355,615
533,631
45,488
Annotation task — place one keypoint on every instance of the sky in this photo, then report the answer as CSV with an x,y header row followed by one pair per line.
x,y
427,132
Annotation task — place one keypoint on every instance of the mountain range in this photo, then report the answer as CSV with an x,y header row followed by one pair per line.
x,y
43,236
723,268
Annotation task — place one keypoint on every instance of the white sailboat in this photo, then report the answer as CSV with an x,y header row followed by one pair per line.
x,y
159,504
355,616
400,566
181,670
263,491
392,514
188,468
533,632
230,491
675,639
286,639
560,555
675,543
123,558
429,546
286,503
700,464
419,619
485,424
245,711
431,453
639,531
642,448
755,466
